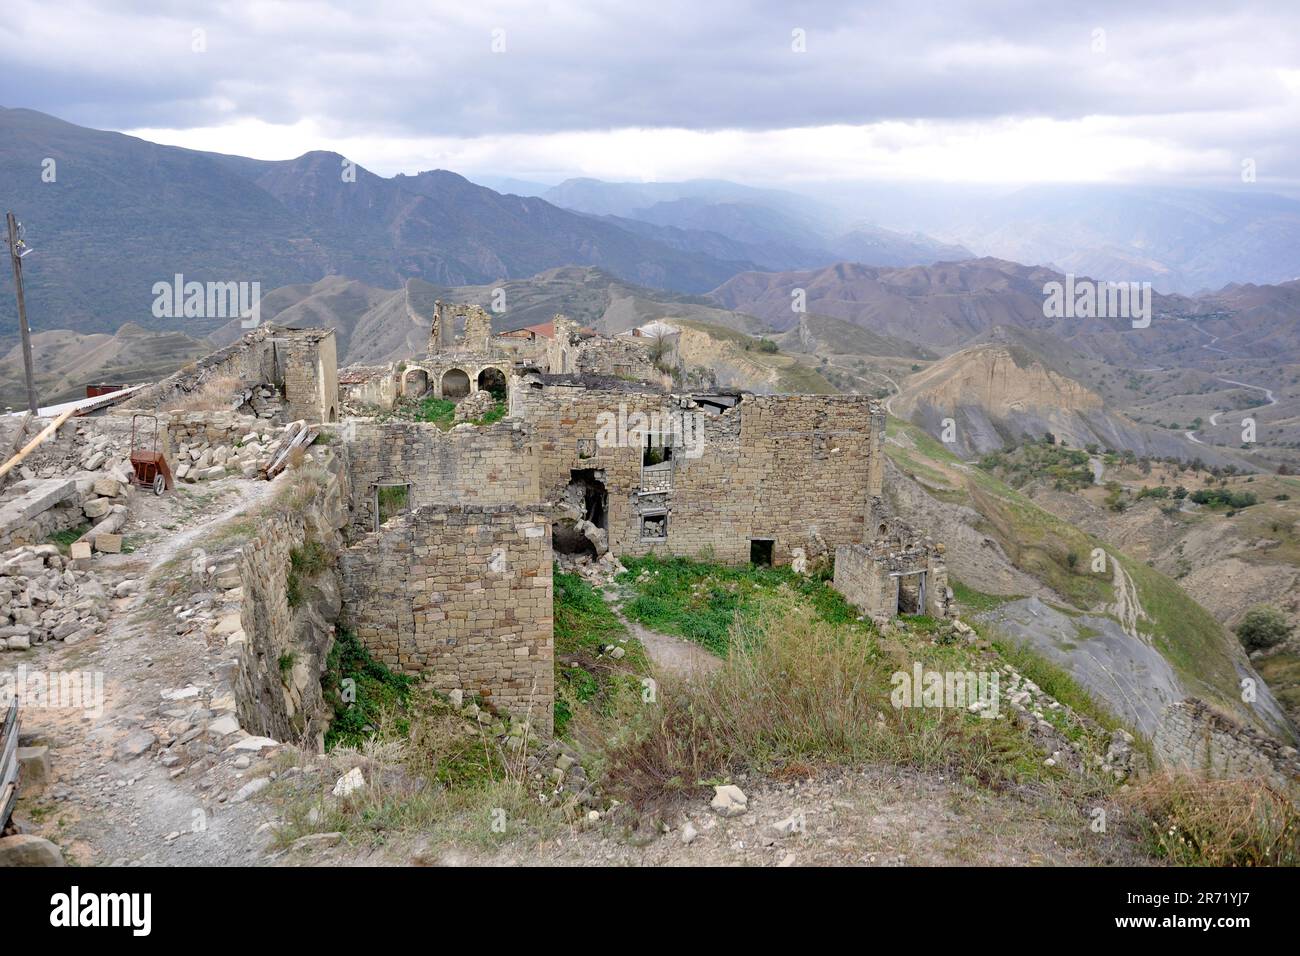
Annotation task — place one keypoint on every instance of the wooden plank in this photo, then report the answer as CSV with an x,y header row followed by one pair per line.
x,y
36,442
301,438
8,763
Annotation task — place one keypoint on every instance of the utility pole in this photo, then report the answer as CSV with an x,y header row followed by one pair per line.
x,y
16,252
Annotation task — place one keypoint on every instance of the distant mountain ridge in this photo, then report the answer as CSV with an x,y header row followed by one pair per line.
x,y
775,229
948,305
122,214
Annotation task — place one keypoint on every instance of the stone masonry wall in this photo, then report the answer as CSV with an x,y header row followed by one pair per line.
x,y
309,373
276,653
490,464
249,359
798,470
863,574
462,597
1192,736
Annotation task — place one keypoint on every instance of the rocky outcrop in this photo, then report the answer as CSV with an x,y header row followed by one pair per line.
x,y
990,396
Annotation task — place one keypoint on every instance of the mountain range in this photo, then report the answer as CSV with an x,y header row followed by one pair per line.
x,y
113,215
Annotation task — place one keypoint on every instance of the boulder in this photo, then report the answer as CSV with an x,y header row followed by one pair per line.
x,y
28,850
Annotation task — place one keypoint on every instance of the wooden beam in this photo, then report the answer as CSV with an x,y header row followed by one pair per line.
x,y
36,442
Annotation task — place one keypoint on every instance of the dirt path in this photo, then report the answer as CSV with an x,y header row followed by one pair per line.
x,y
672,654
110,799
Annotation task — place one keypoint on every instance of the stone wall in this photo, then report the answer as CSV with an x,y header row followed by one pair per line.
x,y
250,359
462,597
374,386
1192,736
211,428
490,464
276,653
301,363
571,351
309,379
798,471
871,576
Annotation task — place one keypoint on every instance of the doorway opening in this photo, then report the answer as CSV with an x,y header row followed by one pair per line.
x,y
760,552
910,592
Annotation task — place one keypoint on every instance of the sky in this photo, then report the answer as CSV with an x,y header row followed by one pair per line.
x,y
768,93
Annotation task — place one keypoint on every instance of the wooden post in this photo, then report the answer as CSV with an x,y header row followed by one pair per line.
x,y
12,223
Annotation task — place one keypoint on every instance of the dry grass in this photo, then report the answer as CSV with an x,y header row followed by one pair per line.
x,y
217,394
797,693
428,772
1194,821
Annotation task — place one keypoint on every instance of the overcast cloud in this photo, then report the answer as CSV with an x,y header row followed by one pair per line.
x,y
992,91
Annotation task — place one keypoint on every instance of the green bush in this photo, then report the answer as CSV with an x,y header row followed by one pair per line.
x,y
1263,627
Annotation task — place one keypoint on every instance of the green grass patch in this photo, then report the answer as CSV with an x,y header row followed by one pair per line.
x,y
305,562
440,411
361,690
63,540
585,678
972,601
701,601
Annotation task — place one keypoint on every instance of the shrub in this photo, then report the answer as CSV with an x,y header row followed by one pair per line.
x,y
1263,627
799,690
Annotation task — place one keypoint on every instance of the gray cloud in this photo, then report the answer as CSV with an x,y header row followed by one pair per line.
x,y
410,68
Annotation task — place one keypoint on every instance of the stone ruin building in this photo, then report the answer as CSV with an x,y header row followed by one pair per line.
x,y
455,369
445,540
442,542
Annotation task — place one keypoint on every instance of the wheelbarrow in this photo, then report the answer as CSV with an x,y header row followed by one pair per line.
x,y
149,465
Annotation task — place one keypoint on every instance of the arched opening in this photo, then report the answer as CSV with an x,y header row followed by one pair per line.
x,y
455,383
493,380
334,415
415,383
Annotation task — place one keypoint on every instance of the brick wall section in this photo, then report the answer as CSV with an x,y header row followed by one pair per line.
x,y
490,464
462,597
795,469
1192,736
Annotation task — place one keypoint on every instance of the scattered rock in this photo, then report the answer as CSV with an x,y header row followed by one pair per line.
x,y
729,801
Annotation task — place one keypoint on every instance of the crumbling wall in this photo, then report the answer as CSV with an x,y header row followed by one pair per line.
x,y
491,464
97,443
301,363
250,359
309,373
477,335
1192,736
277,650
871,576
373,386
796,470
462,597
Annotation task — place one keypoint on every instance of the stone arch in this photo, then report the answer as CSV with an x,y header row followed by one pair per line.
x,y
492,379
455,383
415,382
